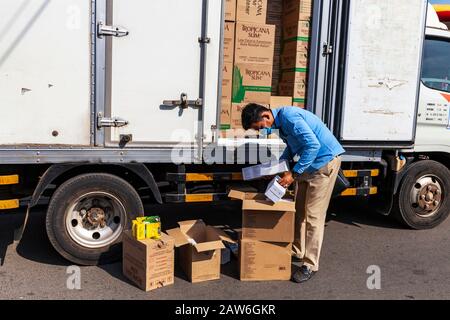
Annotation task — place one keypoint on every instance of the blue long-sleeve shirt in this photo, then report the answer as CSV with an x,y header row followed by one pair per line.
x,y
306,136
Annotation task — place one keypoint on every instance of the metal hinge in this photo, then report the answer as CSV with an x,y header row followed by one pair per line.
x,y
112,31
184,103
110,122
327,49
204,40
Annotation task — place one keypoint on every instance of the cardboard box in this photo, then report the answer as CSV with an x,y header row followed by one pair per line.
x,y
230,10
280,101
301,103
297,30
238,133
228,41
297,90
265,261
236,112
297,75
275,191
264,220
266,169
252,83
251,11
255,43
148,263
199,250
296,10
225,116
298,60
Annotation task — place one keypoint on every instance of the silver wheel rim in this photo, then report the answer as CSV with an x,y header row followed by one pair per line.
x,y
426,196
95,219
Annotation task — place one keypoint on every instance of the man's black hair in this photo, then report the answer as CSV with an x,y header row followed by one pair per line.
x,y
252,113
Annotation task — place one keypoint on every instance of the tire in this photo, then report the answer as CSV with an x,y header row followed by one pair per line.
x,y
425,182
87,216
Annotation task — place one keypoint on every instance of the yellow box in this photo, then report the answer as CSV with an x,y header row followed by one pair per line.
x,y
138,230
153,231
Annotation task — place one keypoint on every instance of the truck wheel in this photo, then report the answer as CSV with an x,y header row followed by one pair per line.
x,y
87,215
424,197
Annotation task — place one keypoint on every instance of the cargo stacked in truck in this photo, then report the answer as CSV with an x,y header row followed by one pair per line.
x,y
294,57
248,60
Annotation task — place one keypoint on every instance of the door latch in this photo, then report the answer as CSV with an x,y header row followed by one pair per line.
x,y
112,31
327,49
115,122
184,102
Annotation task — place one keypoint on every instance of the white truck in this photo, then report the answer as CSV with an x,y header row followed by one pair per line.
x,y
106,103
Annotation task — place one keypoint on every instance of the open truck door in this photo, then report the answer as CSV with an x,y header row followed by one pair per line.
x,y
367,60
159,64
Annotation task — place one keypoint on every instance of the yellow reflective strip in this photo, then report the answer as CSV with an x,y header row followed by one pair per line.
x,y
236,176
7,180
191,177
373,190
354,173
9,204
199,198
351,173
349,192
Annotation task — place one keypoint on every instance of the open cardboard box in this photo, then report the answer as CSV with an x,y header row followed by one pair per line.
x,y
199,249
264,220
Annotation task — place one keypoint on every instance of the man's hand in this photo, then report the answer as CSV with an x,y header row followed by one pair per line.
x,y
287,179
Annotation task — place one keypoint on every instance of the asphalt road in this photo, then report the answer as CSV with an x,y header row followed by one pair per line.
x,y
413,264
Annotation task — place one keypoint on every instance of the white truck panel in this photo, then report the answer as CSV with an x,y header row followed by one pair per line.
x,y
384,54
159,60
45,72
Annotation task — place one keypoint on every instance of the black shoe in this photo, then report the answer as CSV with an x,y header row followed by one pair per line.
x,y
303,274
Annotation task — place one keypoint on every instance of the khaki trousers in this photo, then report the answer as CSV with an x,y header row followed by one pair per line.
x,y
313,195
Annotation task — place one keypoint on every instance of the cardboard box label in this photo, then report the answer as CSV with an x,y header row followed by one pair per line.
x,y
225,116
227,84
252,83
251,11
264,261
255,43
228,41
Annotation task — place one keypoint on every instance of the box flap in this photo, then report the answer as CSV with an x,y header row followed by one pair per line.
x,y
236,194
224,236
208,246
179,237
194,229
265,205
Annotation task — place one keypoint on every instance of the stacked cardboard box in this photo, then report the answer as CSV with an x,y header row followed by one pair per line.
x,y
253,59
294,57
228,63
267,235
248,59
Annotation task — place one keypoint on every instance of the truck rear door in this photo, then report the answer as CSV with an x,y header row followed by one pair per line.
x,y
161,60
368,63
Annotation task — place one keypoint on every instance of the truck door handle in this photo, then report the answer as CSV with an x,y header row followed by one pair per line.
x,y
184,102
